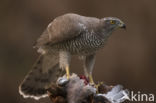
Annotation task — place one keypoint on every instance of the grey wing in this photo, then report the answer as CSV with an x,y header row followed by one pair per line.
x,y
43,39
62,28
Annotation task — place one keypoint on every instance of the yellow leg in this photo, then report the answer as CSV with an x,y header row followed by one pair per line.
x,y
91,79
67,72
92,82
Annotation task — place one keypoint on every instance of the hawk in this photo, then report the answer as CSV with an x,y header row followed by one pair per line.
x,y
67,35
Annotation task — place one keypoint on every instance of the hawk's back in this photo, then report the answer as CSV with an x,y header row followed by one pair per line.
x,y
66,27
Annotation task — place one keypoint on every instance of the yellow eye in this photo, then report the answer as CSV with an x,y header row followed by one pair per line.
x,y
112,22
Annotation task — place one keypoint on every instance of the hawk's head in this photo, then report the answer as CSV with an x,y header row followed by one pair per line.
x,y
112,23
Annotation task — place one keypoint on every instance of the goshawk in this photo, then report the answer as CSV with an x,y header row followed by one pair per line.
x,y
67,35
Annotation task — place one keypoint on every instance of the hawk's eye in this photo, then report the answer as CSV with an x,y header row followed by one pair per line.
x,y
112,22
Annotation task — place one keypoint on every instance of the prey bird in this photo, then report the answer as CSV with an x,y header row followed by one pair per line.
x,y
67,35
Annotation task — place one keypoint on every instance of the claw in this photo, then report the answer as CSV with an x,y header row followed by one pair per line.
x,y
98,85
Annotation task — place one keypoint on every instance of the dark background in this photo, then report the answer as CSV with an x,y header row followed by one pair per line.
x,y
129,58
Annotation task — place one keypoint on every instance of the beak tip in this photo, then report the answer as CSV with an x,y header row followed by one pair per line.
x,y
123,26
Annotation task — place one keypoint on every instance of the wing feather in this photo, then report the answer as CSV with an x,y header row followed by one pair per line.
x,y
65,27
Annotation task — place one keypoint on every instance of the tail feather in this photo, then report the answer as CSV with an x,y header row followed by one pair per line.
x,y
45,71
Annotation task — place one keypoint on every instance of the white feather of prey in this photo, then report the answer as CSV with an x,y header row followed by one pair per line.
x,y
117,94
77,90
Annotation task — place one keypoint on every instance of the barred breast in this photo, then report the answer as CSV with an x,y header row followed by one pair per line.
x,y
83,44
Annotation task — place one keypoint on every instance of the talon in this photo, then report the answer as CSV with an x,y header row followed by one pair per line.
x,y
99,83
97,86
67,72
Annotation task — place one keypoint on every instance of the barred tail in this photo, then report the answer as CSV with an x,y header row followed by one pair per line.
x,y
45,71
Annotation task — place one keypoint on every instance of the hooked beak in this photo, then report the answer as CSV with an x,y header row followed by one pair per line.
x,y
122,25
